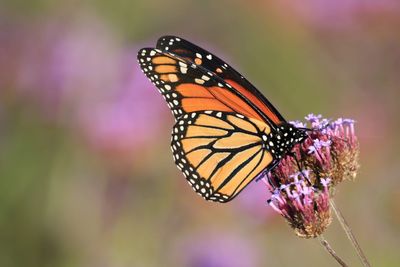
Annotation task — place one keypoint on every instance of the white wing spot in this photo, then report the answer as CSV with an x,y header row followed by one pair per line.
x,y
182,64
199,81
184,70
205,77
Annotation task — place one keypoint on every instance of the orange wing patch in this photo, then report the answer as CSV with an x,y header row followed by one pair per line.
x,y
166,69
219,152
188,87
158,60
193,90
210,62
255,101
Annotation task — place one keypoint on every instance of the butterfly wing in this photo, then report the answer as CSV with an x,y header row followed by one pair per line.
x,y
219,137
188,88
219,152
199,56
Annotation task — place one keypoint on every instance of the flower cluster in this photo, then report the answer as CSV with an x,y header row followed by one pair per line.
x,y
305,208
303,182
332,150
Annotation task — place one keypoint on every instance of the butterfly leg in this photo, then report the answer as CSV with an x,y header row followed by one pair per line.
x,y
265,173
293,155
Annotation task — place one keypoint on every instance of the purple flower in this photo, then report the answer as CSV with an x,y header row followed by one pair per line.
x,y
305,208
298,124
327,157
252,201
79,75
129,118
313,118
218,249
335,151
67,66
341,13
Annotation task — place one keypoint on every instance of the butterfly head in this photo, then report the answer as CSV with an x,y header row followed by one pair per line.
x,y
284,138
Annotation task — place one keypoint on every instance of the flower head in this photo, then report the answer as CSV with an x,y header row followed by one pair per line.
x,y
332,150
305,207
303,181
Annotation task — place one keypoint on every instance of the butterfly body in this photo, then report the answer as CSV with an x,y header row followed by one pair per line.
x,y
281,141
226,132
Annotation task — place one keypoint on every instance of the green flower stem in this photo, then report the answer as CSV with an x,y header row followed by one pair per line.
x,y
329,249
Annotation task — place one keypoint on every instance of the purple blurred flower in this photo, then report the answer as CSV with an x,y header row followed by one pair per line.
x,y
67,65
251,200
128,118
219,249
326,158
79,75
341,13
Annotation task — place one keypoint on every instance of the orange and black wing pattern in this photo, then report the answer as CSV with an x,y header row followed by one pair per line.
x,y
188,87
220,140
219,152
216,65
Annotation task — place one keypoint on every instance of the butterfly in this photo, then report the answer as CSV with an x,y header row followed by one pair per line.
x,y
226,132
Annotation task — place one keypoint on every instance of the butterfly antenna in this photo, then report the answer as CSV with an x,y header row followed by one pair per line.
x,y
306,129
311,130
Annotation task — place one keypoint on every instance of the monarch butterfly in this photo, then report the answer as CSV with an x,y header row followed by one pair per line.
x,y
226,132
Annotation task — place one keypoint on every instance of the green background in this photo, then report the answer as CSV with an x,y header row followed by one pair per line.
x,y
86,173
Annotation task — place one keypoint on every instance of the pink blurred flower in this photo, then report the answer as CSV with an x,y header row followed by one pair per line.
x,y
67,64
340,13
128,118
78,75
252,201
218,249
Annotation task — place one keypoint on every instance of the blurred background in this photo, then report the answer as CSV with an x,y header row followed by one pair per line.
x,y
86,173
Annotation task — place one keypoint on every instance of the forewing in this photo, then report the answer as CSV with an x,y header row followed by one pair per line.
x,y
219,153
212,63
188,87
